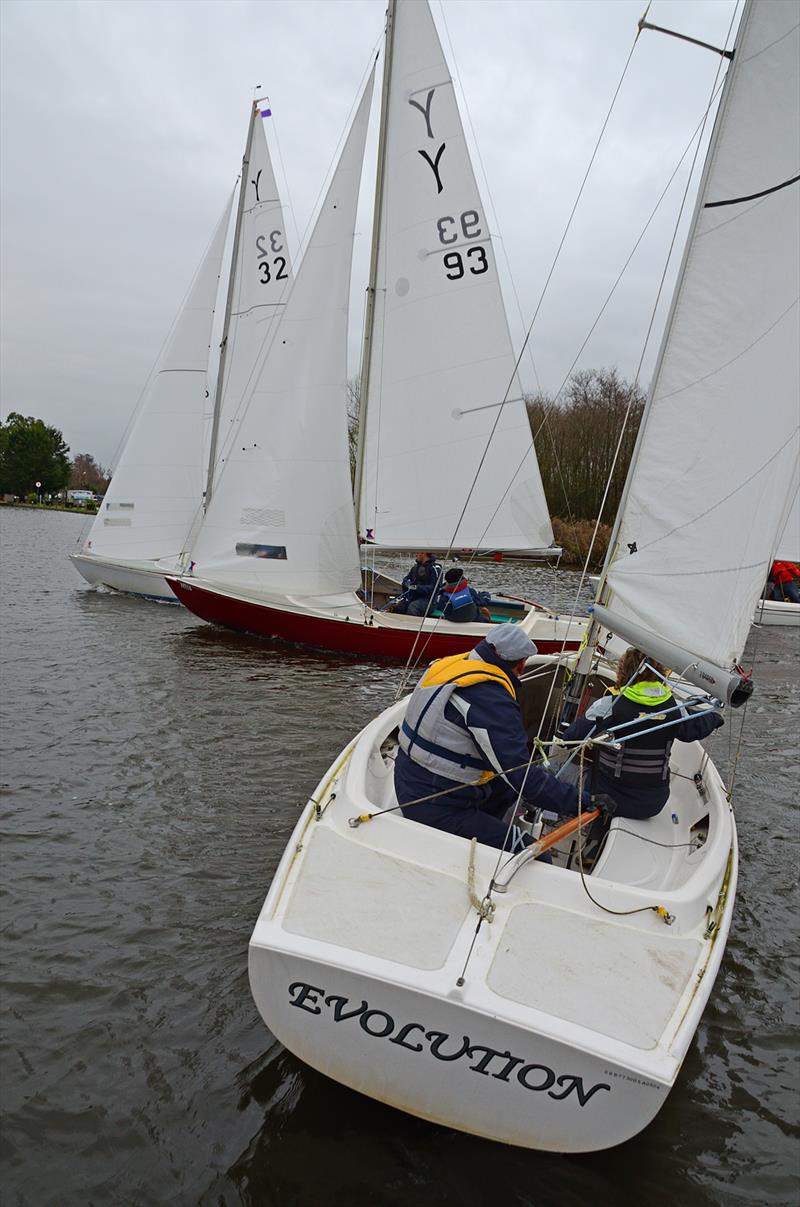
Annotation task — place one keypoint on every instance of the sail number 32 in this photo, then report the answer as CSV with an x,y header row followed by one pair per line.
x,y
278,263
452,230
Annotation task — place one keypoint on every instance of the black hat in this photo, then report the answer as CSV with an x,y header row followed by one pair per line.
x,y
454,576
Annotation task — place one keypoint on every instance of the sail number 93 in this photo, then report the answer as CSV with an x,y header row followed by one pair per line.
x,y
452,230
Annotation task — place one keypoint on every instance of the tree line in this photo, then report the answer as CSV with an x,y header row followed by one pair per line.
x,y
33,451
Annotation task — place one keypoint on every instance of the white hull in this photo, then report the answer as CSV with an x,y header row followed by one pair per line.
x,y
430,1055
142,580
774,611
571,1025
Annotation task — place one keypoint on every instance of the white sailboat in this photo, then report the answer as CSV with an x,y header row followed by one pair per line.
x,y
540,1005
443,425
166,470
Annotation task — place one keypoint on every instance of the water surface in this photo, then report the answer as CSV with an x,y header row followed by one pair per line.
x,y
153,769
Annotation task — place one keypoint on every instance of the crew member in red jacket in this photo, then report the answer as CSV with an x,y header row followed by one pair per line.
x,y
784,581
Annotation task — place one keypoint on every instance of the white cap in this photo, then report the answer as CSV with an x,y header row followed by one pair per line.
x,y
511,643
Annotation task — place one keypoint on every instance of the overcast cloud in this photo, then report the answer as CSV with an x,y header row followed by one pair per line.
x,y
123,123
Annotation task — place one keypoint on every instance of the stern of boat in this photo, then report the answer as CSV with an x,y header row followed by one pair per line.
x,y
556,1025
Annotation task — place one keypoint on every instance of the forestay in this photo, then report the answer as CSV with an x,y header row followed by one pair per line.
x,y
157,486
262,272
281,519
440,356
718,450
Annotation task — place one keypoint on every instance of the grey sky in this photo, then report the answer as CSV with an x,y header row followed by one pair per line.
x,y
123,123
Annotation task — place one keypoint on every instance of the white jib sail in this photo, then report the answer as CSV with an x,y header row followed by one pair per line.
x,y
157,485
280,521
262,273
441,359
707,493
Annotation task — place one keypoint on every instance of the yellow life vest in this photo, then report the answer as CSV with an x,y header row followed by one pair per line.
x,y
428,738
465,671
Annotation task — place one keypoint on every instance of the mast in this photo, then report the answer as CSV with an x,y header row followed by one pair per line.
x,y
369,317
584,663
212,453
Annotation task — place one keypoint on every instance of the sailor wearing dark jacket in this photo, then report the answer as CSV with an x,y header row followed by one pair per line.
x,y
458,601
420,586
463,732
636,776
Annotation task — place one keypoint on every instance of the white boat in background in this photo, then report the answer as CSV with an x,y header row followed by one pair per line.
x,y
784,611
166,471
777,612
548,1006
446,460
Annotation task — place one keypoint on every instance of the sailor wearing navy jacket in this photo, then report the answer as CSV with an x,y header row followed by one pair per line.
x,y
420,586
458,601
463,731
636,776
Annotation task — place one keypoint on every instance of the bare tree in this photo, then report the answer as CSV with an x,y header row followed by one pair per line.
x,y
353,409
576,439
86,474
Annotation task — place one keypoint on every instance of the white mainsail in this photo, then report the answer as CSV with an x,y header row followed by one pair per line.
x,y
157,486
281,517
717,454
439,361
261,271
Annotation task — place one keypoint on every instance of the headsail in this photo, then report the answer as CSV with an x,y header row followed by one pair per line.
x,y
716,456
281,517
440,359
157,486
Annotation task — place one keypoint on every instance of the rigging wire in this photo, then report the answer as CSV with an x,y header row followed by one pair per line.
x,y
714,90
412,661
697,131
700,130
285,177
414,657
487,188
527,346
654,310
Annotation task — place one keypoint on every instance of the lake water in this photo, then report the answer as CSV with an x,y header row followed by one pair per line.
x,y
153,768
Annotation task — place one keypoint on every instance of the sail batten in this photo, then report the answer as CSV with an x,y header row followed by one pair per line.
x,y
706,494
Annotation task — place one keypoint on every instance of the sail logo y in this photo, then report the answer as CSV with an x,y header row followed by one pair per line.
x,y
433,164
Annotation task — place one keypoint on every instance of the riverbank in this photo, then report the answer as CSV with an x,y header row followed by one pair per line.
x,y
50,507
